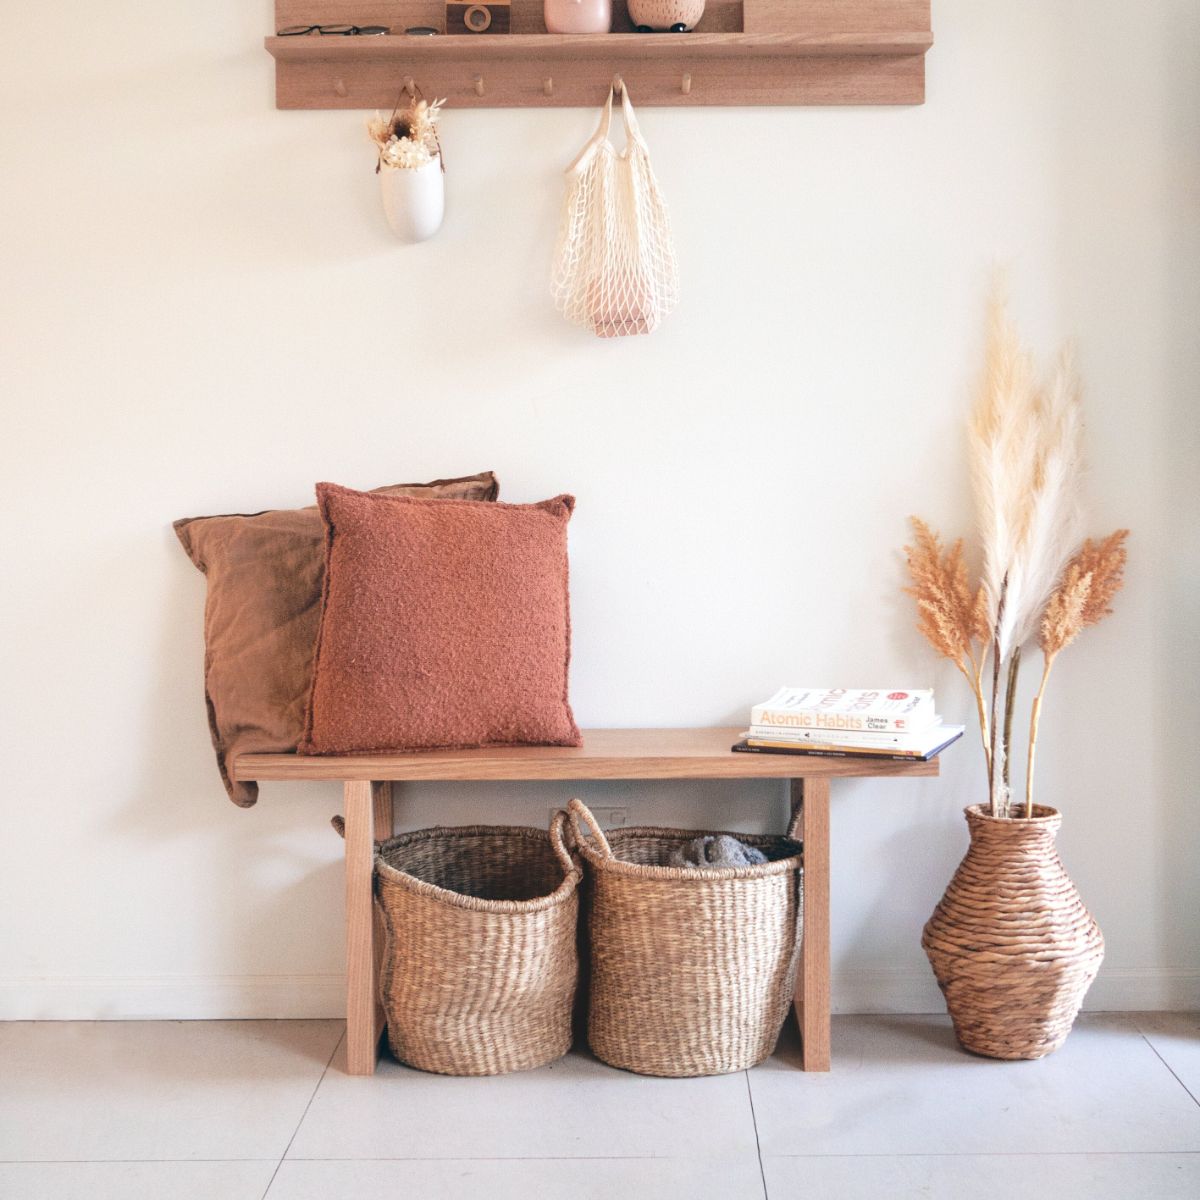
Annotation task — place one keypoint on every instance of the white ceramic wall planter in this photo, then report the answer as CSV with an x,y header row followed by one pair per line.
x,y
578,16
414,199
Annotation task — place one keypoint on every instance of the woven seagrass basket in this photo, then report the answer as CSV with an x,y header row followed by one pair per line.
x,y
692,969
481,959
1011,943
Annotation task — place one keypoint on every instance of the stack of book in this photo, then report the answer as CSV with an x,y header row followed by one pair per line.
x,y
849,723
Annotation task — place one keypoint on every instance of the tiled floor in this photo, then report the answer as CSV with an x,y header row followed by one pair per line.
x,y
243,1110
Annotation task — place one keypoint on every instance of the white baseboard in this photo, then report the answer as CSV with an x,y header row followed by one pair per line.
x,y
1117,989
173,997
886,991
281,997
1145,989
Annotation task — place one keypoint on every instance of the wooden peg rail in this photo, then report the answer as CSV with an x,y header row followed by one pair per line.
x,y
743,52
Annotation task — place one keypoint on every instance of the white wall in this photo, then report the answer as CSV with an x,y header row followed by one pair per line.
x,y
203,312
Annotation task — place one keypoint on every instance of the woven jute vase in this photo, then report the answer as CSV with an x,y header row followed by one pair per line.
x,y
1011,943
481,960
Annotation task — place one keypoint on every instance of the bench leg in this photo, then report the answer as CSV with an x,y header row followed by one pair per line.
x,y
812,985
368,816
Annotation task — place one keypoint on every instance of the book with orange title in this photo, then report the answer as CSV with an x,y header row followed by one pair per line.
x,y
847,710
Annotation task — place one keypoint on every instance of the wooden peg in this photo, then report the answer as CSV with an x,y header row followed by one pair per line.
x,y
618,85
548,87
339,87
686,85
409,86
479,85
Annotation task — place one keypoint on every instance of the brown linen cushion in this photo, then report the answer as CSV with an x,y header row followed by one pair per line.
x,y
444,625
265,572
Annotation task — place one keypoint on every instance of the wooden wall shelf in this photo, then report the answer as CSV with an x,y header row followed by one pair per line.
x,y
745,52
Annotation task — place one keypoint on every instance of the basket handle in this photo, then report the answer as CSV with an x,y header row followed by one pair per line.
x,y
558,841
580,812
339,827
796,820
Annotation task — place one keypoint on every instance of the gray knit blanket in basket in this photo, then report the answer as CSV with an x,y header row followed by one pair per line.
x,y
719,851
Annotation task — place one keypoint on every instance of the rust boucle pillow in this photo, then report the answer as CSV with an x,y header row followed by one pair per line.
x,y
261,616
445,624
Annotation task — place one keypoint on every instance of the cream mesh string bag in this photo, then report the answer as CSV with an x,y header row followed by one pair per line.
x,y
614,269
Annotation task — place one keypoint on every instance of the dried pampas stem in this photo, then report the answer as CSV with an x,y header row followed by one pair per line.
x,y
1035,718
1082,598
995,775
1010,702
953,618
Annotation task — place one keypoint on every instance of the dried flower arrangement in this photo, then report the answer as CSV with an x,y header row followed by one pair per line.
x,y
1036,580
407,140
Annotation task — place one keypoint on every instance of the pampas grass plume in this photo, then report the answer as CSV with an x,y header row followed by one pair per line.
x,y
1025,450
1002,449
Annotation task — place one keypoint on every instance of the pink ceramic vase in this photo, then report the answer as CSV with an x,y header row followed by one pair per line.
x,y
578,16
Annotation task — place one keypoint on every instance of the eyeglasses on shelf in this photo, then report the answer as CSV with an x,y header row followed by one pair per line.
x,y
334,30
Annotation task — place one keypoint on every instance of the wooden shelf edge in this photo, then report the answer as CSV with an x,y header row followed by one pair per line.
x,y
617,754
548,47
778,53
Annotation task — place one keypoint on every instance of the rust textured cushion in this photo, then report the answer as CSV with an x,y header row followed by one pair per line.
x,y
444,624
261,617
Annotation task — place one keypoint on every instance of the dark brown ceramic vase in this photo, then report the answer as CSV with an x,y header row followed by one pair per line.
x,y
1011,943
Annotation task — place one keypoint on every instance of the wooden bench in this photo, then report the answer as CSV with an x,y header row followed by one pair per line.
x,y
623,754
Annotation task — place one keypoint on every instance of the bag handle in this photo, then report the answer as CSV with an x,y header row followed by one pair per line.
x,y
580,812
597,139
633,131
558,841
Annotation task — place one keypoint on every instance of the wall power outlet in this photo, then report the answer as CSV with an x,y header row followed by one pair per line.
x,y
612,816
